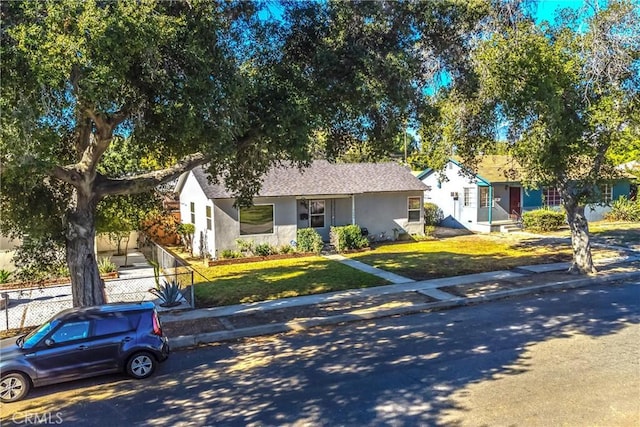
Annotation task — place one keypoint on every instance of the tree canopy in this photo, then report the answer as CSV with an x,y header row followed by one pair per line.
x,y
567,95
199,82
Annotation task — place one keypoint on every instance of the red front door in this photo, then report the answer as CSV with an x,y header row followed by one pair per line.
x,y
515,209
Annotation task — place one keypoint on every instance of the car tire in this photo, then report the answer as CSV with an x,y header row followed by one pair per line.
x,y
13,387
141,365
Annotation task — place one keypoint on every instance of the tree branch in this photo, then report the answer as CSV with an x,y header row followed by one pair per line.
x,y
147,181
66,174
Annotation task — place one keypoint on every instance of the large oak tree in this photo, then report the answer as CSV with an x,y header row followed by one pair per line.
x,y
198,82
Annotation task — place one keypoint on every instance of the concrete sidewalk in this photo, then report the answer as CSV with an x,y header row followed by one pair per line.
x,y
190,328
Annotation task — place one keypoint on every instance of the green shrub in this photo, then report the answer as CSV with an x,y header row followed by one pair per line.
x,y
624,209
429,230
543,220
263,249
230,254
432,214
348,237
39,258
105,265
308,240
286,249
245,246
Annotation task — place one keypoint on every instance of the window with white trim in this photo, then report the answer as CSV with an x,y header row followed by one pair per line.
x,y
551,197
256,219
467,197
192,208
208,216
316,213
484,197
413,209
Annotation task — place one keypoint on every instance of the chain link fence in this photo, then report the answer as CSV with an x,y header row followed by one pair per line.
x,y
32,306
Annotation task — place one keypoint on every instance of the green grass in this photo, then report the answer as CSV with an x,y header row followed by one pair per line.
x,y
446,257
461,255
611,233
615,233
266,280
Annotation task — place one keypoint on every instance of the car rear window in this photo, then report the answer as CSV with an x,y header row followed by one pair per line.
x,y
116,324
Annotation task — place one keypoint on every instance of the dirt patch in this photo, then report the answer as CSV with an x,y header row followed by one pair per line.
x,y
442,232
192,327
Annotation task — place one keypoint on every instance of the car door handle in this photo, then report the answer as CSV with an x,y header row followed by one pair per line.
x,y
82,347
127,339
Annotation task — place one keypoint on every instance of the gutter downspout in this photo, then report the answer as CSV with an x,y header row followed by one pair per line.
x,y
353,209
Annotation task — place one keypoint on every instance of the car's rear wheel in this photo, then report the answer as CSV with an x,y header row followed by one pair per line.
x,y
13,386
141,365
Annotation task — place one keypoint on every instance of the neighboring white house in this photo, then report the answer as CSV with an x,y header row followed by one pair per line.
x,y
493,197
381,197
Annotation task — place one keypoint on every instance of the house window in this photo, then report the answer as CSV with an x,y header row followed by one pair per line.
x,y
551,197
413,209
606,193
208,215
484,197
257,219
192,208
316,212
468,197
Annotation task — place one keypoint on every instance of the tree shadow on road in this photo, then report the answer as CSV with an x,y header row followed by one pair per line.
x,y
394,371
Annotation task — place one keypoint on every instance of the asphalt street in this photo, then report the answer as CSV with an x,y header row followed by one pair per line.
x,y
564,358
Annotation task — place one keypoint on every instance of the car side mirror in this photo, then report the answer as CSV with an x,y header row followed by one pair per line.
x,y
49,342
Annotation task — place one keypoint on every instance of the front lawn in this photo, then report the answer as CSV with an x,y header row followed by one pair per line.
x,y
451,256
267,280
607,232
459,255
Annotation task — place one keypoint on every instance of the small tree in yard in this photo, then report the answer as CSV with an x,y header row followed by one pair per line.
x,y
186,231
119,216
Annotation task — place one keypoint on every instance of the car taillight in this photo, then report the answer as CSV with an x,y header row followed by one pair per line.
x,y
157,329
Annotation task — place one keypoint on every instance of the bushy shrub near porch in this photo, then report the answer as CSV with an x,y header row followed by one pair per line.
x,y
543,220
624,209
309,240
432,214
348,237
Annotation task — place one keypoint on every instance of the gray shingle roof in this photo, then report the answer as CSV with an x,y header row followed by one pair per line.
x,y
324,178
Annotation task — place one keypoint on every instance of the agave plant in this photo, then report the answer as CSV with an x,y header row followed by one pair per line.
x,y
168,292
105,265
4,275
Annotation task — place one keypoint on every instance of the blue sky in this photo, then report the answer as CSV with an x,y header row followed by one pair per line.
x,y
546,9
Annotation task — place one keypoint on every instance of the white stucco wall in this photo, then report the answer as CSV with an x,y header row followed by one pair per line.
x,y
453,209
192,192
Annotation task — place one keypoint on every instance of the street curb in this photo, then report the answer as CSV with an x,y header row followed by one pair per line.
x,y
186,341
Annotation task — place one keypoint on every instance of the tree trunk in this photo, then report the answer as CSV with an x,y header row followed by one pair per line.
x,y
580,240
86,285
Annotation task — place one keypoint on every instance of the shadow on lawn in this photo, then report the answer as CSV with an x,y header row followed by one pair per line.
x,y
394,371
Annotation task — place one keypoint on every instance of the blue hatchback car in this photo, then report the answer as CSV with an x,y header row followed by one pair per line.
x,y
83,342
